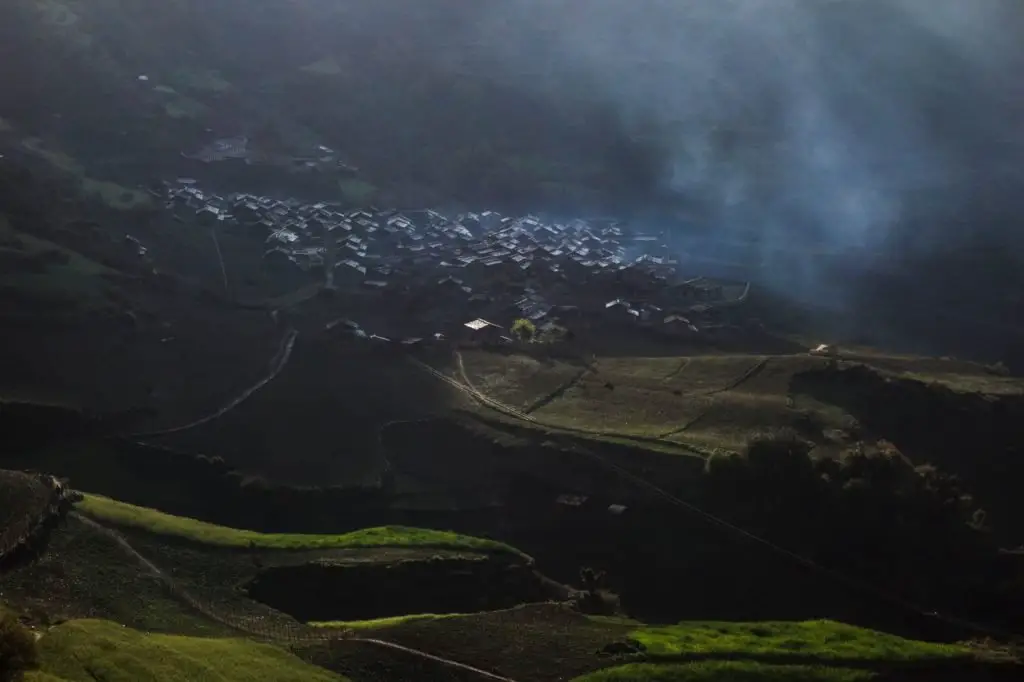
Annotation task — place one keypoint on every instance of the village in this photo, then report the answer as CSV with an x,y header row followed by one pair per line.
x,y
420,274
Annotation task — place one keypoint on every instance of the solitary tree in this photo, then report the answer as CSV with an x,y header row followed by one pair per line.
x,y
524,329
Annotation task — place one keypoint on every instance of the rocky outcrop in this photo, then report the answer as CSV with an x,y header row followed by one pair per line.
x,y
35,503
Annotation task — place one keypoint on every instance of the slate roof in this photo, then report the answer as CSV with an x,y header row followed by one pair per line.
x,y
381,249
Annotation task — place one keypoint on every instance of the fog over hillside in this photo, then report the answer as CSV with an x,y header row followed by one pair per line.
x,y
885,130
844,125
759,131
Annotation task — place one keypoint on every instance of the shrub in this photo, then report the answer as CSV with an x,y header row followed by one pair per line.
x,y
724,464
780,455
594,598
553,333
870,512
524,329
18,651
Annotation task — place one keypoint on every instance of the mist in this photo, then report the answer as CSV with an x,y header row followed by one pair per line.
x,y
796,128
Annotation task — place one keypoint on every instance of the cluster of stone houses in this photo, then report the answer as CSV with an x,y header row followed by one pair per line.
x,y
472,266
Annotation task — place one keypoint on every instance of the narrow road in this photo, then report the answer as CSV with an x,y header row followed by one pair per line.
x,y
682,448
487,401
277,364
299,634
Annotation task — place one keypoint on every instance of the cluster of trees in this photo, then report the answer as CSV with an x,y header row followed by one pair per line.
x,y
870,512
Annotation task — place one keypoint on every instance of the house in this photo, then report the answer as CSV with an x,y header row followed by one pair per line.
x,y
621,311
678,324
482,331
825,349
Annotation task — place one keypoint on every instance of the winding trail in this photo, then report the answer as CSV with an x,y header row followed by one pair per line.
x,y
293,635
483,396
472,392
680,448
277,364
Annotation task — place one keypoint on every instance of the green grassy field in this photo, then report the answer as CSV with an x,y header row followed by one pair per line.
x,y
157,522
552,642
819,650
382,623
821,639
112,194
706,402
724,671
517,380
76,279
89,650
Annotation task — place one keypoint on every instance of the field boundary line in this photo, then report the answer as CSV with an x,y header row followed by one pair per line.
x,y
683,364
750,373
554,395
709,403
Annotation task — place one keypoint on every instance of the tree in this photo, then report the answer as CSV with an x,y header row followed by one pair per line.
x,y
524,329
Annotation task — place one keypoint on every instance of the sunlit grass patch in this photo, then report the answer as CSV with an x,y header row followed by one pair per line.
x,y
724,671
88,650
160,523
824,639
379,623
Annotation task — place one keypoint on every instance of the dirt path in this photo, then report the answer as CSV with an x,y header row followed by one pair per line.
x,y
472,392
492,403
292,635
277,364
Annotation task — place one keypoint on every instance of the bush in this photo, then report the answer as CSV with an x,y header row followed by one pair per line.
x,y
722,463
18,651
870,511
782,456
524,329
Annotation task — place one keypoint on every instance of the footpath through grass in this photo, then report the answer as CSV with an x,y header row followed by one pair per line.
x,y
90,650
122,514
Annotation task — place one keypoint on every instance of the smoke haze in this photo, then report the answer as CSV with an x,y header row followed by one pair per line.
x,y
856,150
836,126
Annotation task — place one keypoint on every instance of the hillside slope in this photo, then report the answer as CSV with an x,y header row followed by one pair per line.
x,y
124,90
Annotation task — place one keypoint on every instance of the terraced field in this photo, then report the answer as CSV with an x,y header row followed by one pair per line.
x,y
713,401
41,271
708,402
519,381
